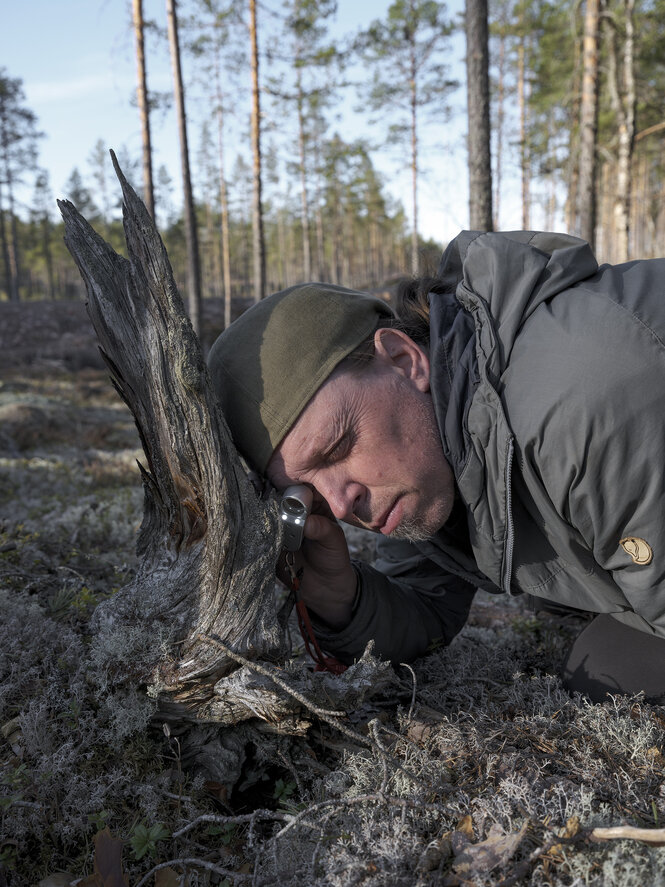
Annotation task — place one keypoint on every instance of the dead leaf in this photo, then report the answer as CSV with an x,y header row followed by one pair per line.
x,y
462,835
571,828
465,825
495,850
218,790
108,860
57,879
167,877
419,732
654,754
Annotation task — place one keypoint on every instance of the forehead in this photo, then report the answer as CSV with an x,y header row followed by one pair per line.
x,y
328,405
323,418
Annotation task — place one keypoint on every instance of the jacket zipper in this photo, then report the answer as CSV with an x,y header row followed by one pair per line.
x,y
510,528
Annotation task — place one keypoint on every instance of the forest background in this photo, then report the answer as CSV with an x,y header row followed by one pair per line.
x,y
335,151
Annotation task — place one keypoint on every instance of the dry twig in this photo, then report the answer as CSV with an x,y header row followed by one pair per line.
x,y
201,863
330,717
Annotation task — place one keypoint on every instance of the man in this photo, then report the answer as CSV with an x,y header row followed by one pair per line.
x,y
506,430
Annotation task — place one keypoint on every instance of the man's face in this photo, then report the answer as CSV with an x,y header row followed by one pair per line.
x,y
368,444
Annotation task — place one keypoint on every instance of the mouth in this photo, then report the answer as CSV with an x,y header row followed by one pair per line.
x,y
390,518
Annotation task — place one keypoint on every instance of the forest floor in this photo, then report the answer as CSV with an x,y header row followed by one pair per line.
x,y
475,768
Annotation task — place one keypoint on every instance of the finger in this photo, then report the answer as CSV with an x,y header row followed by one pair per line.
x,y
319,528
320,506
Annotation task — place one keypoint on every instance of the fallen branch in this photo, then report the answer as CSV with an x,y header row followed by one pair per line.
x,y
200,863
330,717
655,837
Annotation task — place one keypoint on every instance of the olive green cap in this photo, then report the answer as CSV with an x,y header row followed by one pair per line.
x,y
270,362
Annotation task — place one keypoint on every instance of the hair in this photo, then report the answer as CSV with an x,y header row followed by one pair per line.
x,y
411,316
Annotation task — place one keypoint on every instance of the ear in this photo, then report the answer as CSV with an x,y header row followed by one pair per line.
x,y
398,351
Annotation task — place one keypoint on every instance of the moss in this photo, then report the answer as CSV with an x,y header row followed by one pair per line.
x,y
492,738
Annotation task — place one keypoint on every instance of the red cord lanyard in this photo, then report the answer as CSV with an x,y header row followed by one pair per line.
x,y
322,662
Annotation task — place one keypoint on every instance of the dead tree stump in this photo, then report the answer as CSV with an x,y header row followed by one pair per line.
x,y
208,542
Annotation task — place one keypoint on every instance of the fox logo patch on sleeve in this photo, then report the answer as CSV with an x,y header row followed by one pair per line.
x,y
640,550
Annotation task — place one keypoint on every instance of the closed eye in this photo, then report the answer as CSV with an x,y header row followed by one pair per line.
x,y
340,449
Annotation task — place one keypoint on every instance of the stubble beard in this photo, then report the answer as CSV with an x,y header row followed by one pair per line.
x,y
422,526
420,529
412,530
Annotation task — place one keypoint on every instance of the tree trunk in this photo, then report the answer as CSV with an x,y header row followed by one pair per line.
x,y
223,197
552,189
572,163
4,245
478,113
500,117
318,214
193,266
46,237
144,108
623,104
415,258
602,232
304,203
10,239
586,195
257,208
204,589
524,148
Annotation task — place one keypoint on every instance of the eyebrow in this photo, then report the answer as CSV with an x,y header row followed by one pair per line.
x,y
338,427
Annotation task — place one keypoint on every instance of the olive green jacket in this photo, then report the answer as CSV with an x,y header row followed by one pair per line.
x,y
548,379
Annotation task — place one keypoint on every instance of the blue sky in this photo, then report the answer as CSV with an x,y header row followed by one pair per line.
x,y
76,60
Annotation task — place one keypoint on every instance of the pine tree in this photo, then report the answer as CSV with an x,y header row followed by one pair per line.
x,y
41,212
18,155
586,200
409,75
311,60
143,105
80,196
623,99
258,238
99,162
222,58
478,101
191,235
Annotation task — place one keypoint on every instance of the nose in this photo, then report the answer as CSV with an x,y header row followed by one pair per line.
x,y
343,496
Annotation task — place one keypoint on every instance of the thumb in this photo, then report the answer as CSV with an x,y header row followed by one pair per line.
x,y
325,530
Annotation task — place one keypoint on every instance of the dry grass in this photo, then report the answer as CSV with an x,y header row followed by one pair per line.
x,y
495,759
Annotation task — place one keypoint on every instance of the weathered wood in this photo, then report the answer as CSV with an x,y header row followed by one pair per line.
x,y
208,543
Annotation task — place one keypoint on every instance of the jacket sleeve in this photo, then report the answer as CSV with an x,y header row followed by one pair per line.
x,y
404,605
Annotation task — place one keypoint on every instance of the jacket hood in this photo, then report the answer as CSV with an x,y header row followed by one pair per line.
x,y
495,282
506,276
453,373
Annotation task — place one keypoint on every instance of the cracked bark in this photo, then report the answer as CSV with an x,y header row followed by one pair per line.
x,y
208,542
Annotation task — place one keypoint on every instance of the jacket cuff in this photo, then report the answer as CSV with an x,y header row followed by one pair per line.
x,y
349,643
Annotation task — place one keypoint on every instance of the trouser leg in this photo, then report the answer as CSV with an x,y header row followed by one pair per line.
x,y
610,657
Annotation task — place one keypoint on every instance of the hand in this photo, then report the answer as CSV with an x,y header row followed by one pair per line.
x,y
328,583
